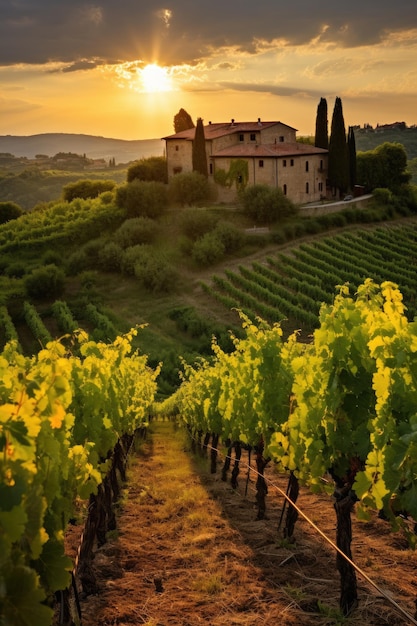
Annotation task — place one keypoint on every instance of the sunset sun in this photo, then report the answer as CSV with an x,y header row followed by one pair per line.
x,y
155,78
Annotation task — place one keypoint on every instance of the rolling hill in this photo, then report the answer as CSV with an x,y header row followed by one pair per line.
x,y
93,147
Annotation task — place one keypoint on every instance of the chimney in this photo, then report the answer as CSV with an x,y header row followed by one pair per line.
x,y
259,121
233,121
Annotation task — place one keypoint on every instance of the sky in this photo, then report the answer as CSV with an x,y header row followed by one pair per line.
x,y
124,69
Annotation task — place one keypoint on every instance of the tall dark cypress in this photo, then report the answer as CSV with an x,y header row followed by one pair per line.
x,y
182,121
338,151
322,132
199,150
352,156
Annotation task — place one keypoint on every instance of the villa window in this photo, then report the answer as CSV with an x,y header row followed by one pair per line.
x,y
176,148
241,137
261,162
320,186
285,190
307,188
284,163
211,168
281,139
306,166
292,162
253,137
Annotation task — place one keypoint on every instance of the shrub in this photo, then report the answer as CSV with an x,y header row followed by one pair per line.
x,y
44,282
52,257
189,188
407,196
382,195
266,205
77,262
85,258
9,211
196,222
277,236
231,237
86,189
155,272
110,257
135,231
208,250
88,279
336,219
312,226
16,270
153,168
107,197
185,245
132,255
92,248
289,231
146,199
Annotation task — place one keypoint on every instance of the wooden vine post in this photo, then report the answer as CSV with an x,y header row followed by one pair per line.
x,y
213,453
261,486
344,503
227,461
236,468
292,513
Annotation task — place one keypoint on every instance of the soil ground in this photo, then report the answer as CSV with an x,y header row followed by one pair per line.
x,y
189,550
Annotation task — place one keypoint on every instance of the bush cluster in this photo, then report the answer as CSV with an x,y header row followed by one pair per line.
x,y
190,188
152,168
266,205
87,189
136,230
155,271
45,282
142,199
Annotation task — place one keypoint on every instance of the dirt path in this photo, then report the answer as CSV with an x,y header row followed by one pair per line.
x,y
190,551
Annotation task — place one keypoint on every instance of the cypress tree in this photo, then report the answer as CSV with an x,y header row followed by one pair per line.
x,y
182,121
199,154
322,133
352,156
338,151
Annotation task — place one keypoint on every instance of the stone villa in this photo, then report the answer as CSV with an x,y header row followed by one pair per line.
x,y
248,153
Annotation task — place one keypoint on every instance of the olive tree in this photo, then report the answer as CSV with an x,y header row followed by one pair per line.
x,y
266,205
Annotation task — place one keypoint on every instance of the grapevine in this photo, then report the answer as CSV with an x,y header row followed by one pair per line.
x,y
344,404
60,418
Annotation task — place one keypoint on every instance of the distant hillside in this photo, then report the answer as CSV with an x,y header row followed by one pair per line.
x,y
93,147
368,139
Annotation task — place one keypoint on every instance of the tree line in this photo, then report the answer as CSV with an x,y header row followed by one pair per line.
x,y
383,167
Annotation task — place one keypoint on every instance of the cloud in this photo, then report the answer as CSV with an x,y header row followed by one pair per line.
x,y
276,90
184,32
81,65
13,106
165,15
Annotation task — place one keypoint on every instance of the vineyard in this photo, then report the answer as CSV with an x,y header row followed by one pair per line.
x,y
290,288
342,407
331,406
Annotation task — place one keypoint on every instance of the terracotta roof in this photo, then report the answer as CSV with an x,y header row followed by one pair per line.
x,y
212,131
280,149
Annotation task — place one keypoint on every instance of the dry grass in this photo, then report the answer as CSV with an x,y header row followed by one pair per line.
x,y
192,537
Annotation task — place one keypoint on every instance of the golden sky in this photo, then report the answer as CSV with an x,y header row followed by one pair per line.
x,y
121,70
